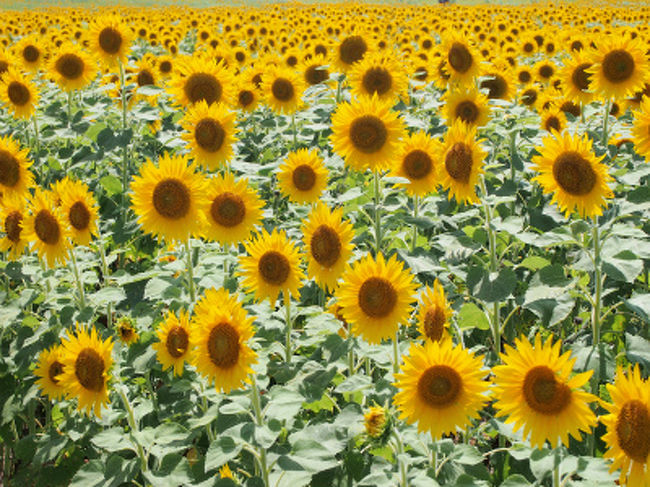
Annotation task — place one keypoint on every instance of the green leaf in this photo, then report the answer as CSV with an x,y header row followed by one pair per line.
x,y
550,304
491,287
111,184
174,470
355,383
107,295
284,403
471,316
534,262
113,440
640,304
220,451
637,349
515,481
466,454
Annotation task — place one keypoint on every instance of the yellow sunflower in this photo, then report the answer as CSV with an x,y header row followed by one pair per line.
x,y
86,363
45,228
29,50
441,387
461,162
15,176
173,345
210,131
303,176
576,79
12,214
80,210
534,388
570,170
375,421
348,51
234,209
328,242
499,81
628,427
434,312
469,106
71,68
381,74
48,370
620,66
375,297
417,163
220,335
282,89
367,134
169,199
126,331
553,119
315,70
247,96
641,129
462,61
110,39
18,93
272,266
201,79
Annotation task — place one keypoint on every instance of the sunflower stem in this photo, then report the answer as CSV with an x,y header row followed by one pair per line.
x,y
37,146
377,197
396,355
259,420
598,285
606,121
133,425
80,288
125,153
69,109
351,359
204,404
190,271
556,467
287,311
295,131
338,90
102,256
494,264
415,227
404,482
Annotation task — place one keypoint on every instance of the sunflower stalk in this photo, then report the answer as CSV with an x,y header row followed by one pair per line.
x,y
77,277
295,131
377,198
125,153
598,286
287,311
494,264
259,420
396,356
415,226
70,109
190,271
399,450
133,425
606,121
37,146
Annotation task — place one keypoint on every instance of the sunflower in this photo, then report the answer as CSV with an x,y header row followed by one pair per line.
x,y
524,75
29,50
247,96
48,370
18,93
143,75
86,363
173,345
201,79
544,70
71,68
570,170
499,82
380,74
15,176
315,70
553,119
210,131
165,66
441,387
375,297
328,242
12,214
620,66
126,331
641,129
534,389
463,162
434,312
367,133
529,97
282,89
7,60
110,39
628,427
220,335
80,210
44,227
417,163
576,79
462,61
234,209
169,199
375,421
303,176
273,266
349,51
470,106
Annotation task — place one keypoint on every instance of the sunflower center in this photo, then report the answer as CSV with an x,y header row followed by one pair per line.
x,y
352,49
209,134
89,369
570,107
282,89
467,111
79,216
12,226
274,268
55,369
31,54
315,74
126,332
458,162
377,80
110,40
546,71
368,134
439,386
460,58
9,169
177,342
165,67
145,78
18,93
245,97
70,66
618,66
325,246
203,86
528,47
442,72
633,430
4,66
304,177
573,173
524,77
223,345
417,164
46,227
543,393
377,297
228,210
434,323
529,97
171,199
421,73
580,77
553,122
496,86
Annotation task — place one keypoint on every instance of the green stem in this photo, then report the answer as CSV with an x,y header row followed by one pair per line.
x,y
31,410
37,144
377,198
338,91
102,257
494,264
396,355
204,403
190,271
259,420
351,358
606,121
80,288
287,310
295,131
415,227
125,152
402,466
556,476
70,108
133,425
598,284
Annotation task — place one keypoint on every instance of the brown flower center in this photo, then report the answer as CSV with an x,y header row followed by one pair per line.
x,y
421,73
18,93
145,78
467,111
325,246
55,369
546,71
377,80
543,393
171,199
496,86
368,134
618,66
377,297
228,210
439,386
177,342
570,107
524,77
458,162
434,323
203,86
274,268
4,66
9,169
528,47
316,74
89,369
209,134
70,66
529,97
304,177
282,89
223,345
460,58
165,67
110,40
417,164
633,430
47,227
574,173
580,78
79,216
352,49
13,227
246,97
553,122
31,54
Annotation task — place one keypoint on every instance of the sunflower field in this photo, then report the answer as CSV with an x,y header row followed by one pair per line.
x,y
325,245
